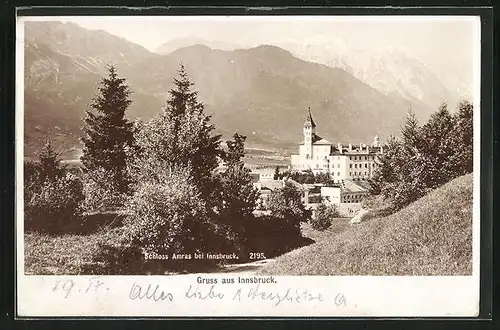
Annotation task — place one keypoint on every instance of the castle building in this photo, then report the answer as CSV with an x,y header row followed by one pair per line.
x,y
342,162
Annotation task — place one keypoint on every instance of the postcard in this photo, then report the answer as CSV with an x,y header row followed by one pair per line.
x,y
247,166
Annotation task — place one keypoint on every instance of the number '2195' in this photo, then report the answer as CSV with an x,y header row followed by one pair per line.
x,y
259,255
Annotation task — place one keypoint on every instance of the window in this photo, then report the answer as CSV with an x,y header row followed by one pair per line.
x,y
350,165
366,165
317,165
350,173
338,173
350,158
338,165
355,165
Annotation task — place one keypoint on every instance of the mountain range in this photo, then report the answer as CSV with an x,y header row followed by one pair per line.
x,y
390,70
262,92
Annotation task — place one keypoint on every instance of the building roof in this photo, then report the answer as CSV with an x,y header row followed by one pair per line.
x,y
355,150
255,177
271,184
318,140
322,142
297,185
350,186
309,119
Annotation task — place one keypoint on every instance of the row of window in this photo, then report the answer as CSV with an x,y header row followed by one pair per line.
x,y
360,165
361,157
358,173
352,201
350,157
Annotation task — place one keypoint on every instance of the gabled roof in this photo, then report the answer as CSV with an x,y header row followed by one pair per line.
x,y
322,142
318,140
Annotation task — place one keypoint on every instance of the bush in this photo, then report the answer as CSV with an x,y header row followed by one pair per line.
x,y
54,205
117,255
425,157
100,193
323,217
168,217
285,203
271,235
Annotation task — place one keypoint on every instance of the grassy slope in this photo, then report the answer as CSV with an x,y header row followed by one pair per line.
x,y
58,255
432,236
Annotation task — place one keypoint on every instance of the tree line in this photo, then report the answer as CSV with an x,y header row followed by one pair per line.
x,y
161,174
304,177
425,156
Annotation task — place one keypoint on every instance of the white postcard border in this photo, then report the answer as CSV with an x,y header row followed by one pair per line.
x,y
403,296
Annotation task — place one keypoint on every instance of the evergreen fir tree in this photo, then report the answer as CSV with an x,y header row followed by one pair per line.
x,y
437,151
236,197
181,137
108,134
386,172
49,164
193,141
410,133
461,141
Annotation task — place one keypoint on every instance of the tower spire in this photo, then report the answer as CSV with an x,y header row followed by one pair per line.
x,y
309,118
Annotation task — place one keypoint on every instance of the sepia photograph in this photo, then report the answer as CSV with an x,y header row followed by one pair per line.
x,y
248,148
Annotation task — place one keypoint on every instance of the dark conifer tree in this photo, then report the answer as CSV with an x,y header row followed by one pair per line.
x,y
460,140
186,115
49,163
437,151
107,132
410,133
236,197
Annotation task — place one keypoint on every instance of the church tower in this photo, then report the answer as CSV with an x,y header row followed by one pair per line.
x,y
309,133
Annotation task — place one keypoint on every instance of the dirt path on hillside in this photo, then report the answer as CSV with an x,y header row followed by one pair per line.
x,y
249,268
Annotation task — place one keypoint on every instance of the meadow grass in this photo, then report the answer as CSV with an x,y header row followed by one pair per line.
x,y
66,254
432,236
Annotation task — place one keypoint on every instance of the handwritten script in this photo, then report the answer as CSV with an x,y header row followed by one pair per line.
x,y
155,292
139,292
256,293
70,286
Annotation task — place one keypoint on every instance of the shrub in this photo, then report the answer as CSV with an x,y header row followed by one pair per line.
x,y
168,217
323,217
117,255
286,204
425,157
271,235
100,193
53,206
